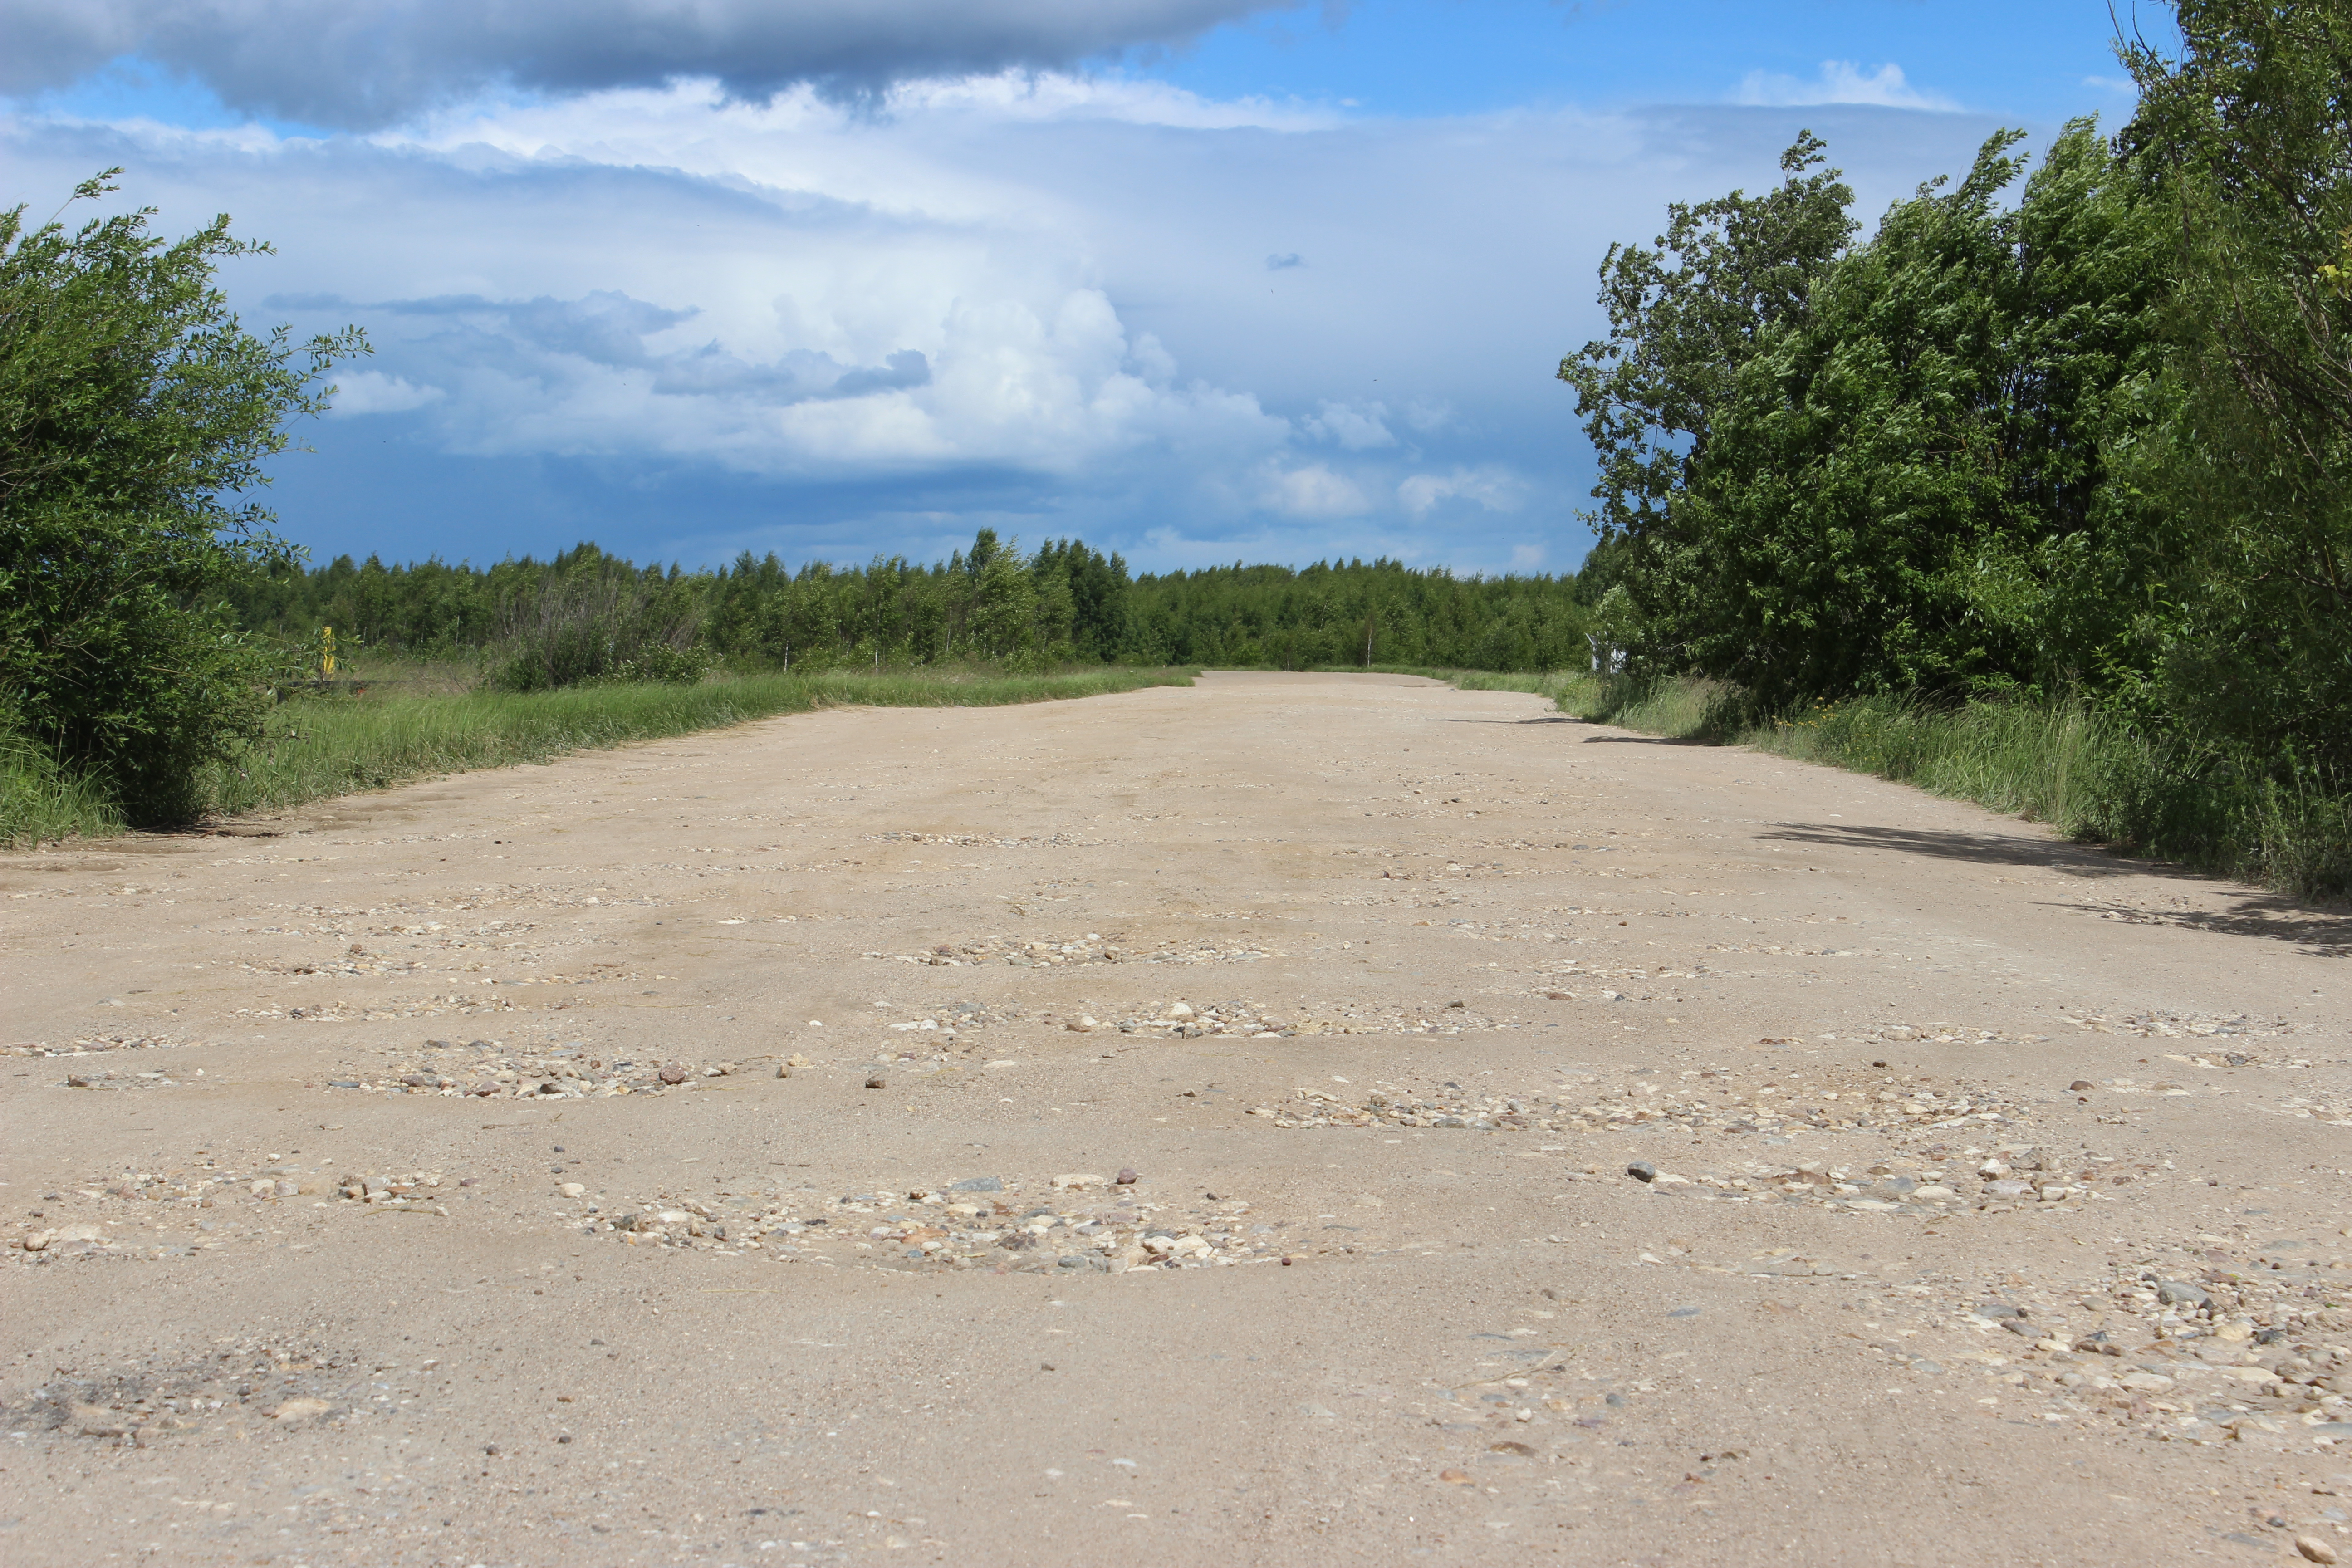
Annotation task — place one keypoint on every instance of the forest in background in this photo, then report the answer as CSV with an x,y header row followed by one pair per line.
x,y
587,615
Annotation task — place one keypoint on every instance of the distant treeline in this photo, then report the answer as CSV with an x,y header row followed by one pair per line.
x,y
585,614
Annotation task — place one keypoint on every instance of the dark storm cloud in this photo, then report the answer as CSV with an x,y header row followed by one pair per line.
x,y
372,62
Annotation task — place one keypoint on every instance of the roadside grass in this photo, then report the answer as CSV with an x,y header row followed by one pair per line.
x,y
40,801
2083,772
334,744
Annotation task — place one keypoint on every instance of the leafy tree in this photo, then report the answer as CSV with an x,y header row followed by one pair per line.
x,y
2247,138
135,414
1684,317
1003,618
1905,488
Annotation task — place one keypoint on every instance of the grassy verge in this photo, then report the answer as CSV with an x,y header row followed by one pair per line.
x,y
40,801
323,746
2082,772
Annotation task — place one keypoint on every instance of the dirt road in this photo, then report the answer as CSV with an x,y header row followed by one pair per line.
x,y
716,1152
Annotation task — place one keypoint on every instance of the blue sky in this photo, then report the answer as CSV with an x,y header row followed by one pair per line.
x,y
1199,280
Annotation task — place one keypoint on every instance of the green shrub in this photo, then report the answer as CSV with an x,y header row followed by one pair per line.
x,y
134,410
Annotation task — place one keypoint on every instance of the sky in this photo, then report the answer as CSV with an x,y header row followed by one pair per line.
x,y
1196,280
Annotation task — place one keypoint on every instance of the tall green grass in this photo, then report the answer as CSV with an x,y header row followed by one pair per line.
x,y
2085,773
40,801
321,746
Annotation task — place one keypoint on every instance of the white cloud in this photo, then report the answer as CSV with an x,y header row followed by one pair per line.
x,y
373,392
1490,487
1040,304
1427,416
1840,82
1354,426
1528,557
1313,491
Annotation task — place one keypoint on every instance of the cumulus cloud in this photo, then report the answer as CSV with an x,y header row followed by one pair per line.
x,y
1313,491
1356,427
1490,487
605,374
1840,82
374,62
373,392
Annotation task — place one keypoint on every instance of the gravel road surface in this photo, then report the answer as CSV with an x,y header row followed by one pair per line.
x,y
1295,1120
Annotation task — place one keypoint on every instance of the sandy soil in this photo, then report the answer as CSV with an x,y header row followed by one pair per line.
x,y
1381,1290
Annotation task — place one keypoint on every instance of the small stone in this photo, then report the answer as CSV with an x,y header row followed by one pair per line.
x,y
876,1082
674,1075
571,1189
293,1410
2079,1085
1454,1478
97,1421
1179,1011
1642,1171
2173,1293
1045,1366
783,1069
37,1240
976,1185
1127,1176
2314,1548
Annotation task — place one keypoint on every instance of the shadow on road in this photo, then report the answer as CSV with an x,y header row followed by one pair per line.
x,y
1647,740
1984,848
2319,933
